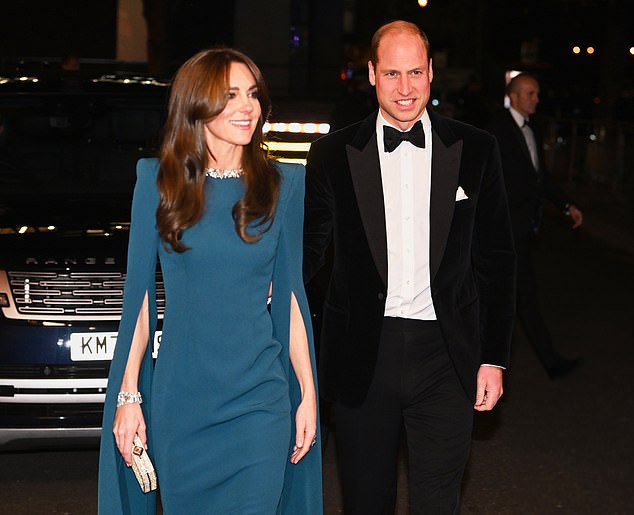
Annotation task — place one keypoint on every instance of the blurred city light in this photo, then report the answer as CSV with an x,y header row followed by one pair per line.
x,y
422,3
288,146
576,50
590,50
297,127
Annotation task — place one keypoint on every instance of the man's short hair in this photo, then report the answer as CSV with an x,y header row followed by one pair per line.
x,y
392,27
512,85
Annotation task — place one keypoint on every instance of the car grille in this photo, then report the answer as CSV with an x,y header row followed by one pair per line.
x,y
50,295
50,415
86,370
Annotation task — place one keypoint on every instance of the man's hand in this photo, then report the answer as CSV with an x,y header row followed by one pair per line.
x,y
576,216
489,388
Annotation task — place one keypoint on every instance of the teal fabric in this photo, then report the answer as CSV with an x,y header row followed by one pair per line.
x,y
220,401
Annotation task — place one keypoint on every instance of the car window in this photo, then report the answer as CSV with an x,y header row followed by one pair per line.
x,y
62,147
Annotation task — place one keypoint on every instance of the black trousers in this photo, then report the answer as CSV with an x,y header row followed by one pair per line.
x,y
415,387
528,309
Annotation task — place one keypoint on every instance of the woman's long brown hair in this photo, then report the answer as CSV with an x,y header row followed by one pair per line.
x,y
198,94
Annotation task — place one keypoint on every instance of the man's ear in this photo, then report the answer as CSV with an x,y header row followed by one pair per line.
x,y
512,97
371,76
431,71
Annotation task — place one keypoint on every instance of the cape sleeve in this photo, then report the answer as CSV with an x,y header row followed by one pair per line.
x,y
302,482
118,491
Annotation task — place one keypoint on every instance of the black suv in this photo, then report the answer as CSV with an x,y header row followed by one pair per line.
x,y
68,149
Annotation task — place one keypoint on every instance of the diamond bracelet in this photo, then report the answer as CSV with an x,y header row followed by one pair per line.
x,y
128,398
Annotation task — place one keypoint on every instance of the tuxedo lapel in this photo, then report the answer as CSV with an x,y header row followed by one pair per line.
x,y
445,171
363,160
519,137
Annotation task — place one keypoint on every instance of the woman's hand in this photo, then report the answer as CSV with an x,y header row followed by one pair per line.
x,y
128,421
306,416
306,425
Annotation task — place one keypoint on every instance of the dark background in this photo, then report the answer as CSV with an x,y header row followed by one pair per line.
x,y
473,42
550,447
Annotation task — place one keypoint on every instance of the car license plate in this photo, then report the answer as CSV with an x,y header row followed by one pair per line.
x,y
100,346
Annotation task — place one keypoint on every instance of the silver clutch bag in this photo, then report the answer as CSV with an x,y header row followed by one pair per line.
x,y
142,466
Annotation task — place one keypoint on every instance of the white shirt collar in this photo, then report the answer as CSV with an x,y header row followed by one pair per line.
x,y
519,119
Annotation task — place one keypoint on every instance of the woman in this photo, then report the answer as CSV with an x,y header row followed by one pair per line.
x,y
229,411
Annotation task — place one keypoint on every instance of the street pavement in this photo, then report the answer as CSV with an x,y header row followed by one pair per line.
x,y
550,447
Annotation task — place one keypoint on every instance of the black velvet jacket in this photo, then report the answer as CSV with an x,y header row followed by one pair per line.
x,y
472,261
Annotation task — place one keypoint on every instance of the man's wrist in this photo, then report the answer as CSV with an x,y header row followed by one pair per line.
x,y
491,365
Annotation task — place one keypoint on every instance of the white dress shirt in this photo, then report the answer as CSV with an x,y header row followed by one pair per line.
x,y
522,123
406,179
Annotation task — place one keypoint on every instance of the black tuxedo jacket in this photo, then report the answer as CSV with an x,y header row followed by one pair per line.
x,y
472,261
526,187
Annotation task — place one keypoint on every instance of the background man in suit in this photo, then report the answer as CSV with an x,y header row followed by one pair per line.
x,y
527,184
418,315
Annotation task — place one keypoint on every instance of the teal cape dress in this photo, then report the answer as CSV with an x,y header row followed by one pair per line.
x,y
219,401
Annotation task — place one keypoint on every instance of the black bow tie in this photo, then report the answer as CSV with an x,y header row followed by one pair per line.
x,y
392,137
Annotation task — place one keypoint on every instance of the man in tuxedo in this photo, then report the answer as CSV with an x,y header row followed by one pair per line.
x,y
417,319
527,185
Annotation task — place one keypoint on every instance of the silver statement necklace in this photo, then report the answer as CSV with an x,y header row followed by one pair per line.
x,y
220,173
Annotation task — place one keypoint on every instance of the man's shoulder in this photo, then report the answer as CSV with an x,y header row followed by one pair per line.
x,y
345,135
450,130
465,128
500,120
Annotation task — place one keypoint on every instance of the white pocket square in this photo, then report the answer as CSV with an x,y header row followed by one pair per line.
x,y
460,194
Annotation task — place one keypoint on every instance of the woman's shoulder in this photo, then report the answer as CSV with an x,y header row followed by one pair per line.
x,y
293,183
291,170
146,187
292,186
147,168
146,174
293,175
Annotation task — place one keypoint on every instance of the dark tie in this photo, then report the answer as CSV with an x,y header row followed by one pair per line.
x,y
392,137
529,136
